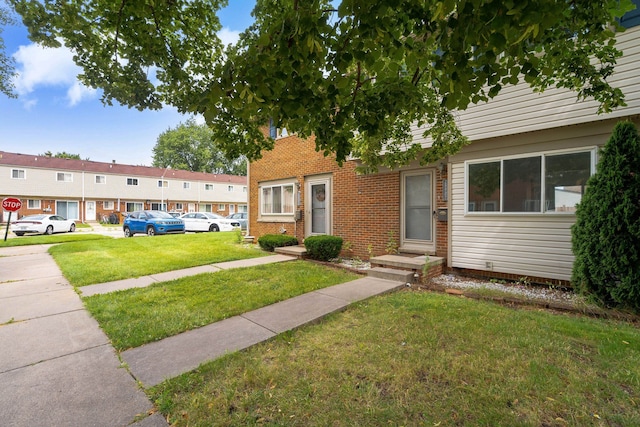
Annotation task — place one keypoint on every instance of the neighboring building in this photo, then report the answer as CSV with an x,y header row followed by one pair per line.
x,y
502,207
89,191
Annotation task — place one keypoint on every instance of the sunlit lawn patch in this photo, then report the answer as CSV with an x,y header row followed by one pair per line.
x,y
137,316
422,359
85,263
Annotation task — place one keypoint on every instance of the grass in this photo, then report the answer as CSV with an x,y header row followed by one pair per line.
x,y
414,358
86,263
39,239
137,316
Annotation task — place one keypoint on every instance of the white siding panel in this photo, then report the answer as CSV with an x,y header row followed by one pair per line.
x,y
518,110
526,245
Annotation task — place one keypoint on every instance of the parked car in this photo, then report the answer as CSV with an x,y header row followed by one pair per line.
x,y
42,224
151,223
240,216
207,221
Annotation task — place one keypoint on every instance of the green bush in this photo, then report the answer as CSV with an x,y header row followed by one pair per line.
x,y
606,235
323,248
269,242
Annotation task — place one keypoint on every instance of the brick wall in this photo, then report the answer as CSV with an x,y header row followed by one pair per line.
x,y
366,208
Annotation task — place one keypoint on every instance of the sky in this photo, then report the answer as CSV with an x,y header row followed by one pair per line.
x,y
55,112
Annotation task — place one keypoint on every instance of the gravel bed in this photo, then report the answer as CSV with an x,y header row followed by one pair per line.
x,y
534,292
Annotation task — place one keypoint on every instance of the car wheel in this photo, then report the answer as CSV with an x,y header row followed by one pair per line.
x,y
214,227
73,228
19,234
49,230
127,232
151,231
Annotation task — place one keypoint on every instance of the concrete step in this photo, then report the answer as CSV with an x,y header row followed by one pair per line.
x,y
391,274
415,263
297,251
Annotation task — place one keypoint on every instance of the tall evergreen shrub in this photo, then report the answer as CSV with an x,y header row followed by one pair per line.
x,y
606,235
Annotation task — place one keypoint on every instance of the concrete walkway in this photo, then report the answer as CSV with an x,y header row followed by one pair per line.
x,y
58,368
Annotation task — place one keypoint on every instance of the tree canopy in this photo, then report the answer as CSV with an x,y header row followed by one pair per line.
x,y
189,146
62,155
357,74
7,70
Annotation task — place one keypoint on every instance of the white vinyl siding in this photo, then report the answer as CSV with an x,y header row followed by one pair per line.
x,y
517,109
526,245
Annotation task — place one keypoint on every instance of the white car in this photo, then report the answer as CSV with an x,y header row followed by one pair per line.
x,y
42,224
207,221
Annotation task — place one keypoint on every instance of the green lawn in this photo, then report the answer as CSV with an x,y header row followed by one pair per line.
x,y
86,263
425,359
137,316
39,239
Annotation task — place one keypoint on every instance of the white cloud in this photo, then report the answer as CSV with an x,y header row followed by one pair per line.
x,y
45,67
228,36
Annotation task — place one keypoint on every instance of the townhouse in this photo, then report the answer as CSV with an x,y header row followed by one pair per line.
x,y
501,207
86,190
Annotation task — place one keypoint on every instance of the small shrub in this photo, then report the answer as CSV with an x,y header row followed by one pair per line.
x,y
269,242
238,235
323,248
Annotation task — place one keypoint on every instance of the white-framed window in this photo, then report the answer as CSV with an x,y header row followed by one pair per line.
x,y
33,204
230,188
64,177
206,207
276,132
208,187
158,206
277,199
107,205
132,181
186,185
18,174
101,179
550,182
242,208
221,206
179,206
134,206
163,184
244,189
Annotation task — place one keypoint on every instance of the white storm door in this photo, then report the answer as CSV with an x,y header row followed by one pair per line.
x,y
90,211
318,206
417,212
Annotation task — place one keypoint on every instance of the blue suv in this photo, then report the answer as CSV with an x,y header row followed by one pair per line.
x,y
151,223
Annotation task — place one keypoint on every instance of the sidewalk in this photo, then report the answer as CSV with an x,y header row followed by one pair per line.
x,y
58,367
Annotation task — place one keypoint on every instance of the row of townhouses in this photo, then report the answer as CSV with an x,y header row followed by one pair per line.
x,y
95,191
501,207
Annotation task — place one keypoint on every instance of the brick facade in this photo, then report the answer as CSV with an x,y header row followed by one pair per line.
x,y
366,208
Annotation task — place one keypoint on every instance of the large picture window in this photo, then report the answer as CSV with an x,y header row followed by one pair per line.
x,y
277,199
548,182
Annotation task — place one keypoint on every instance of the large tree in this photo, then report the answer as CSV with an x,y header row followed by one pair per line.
x,y
189,146
355,73
7,68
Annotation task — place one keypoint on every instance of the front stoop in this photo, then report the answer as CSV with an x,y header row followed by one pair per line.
x,y
296,251
404,268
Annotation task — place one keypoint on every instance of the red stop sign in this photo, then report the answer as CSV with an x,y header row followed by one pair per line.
x,y
11,204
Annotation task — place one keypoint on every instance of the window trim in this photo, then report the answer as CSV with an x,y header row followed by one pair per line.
x,y
163,183
106,204
133,182
208,187
64,175
24,173
37,205
186,185
104,179
592,150
280,184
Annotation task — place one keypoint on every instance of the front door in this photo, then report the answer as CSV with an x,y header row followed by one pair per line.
x,y
417,221
90,211
317,206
